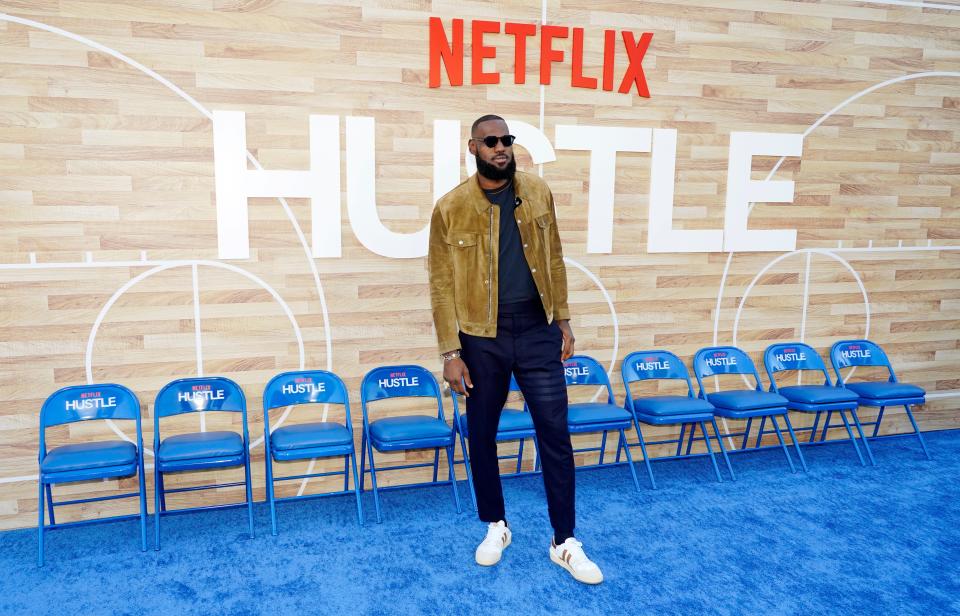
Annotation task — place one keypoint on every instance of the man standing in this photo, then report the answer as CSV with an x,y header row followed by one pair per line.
x,y
498,287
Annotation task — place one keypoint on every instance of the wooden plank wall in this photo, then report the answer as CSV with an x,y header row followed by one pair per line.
x,y
100,162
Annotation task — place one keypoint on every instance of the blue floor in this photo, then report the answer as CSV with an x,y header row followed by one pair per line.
x,y
841,539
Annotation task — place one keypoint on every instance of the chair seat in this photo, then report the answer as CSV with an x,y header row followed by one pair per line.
x,y
672,405
308,435
817,394
97,454
511,420
883,390
746,400
200,445
585,413
409,428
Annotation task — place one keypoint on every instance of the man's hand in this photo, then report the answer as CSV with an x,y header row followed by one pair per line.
x,y
455,373
568,340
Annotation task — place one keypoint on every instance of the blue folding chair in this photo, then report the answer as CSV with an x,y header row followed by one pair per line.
x,y
199,450
669,409
321,439
742,403
407,431
799,357
587,417
90,460
851,353
514,425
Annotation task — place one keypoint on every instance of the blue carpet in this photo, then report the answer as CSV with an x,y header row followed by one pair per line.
x,y
842,539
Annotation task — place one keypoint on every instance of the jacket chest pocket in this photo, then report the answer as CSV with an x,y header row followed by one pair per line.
x,y
544,226
464,250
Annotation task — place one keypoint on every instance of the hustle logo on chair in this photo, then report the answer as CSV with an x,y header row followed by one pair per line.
x,y
399,379
90,400
303,385
721,358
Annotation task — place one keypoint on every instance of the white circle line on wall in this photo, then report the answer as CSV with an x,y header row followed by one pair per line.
x,y
209,115
88,357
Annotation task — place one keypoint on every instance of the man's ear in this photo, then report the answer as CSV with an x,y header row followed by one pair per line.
x,y
472,146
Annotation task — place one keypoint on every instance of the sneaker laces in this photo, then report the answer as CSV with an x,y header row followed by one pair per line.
x,y
495,533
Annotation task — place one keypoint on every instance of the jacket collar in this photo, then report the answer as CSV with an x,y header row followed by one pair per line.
x,y
479,198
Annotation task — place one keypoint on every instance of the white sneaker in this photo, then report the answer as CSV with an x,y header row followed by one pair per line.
x,y
491,548
570,556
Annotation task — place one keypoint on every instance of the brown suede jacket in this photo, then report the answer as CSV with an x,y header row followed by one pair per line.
x,y
465,248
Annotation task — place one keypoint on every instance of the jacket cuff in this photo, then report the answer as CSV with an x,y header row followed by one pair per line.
x,y
446,346
561,314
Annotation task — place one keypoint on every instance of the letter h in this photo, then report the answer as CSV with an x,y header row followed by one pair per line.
x,y
235,184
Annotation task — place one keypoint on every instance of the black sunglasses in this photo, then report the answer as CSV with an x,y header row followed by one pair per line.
x,y
491,140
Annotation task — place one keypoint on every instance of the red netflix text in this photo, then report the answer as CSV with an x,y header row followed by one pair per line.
x,y
448,51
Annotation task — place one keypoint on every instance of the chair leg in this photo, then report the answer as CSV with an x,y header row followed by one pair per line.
x,y
916,430
876,426
141,477
723,449
40,523
796,445
373,481
436,463
163,494
776,428
683,432
746,433
693,430
763,425
157,511
346,472
706,439
356,486
633,470
246,477
603,446
863,439
620,445
853,441
363,459
519,455
452,476
826,426
643,450
468,471
813,429
271,495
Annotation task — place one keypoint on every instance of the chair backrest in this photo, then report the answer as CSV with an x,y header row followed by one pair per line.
x,y
785,356
720,360
88,402
212,393
305,387
407,381
585,370
852,353
653,365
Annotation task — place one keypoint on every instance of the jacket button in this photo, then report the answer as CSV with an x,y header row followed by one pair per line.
x,y
460,242
486,282
524,245
533,271
541,295
519,221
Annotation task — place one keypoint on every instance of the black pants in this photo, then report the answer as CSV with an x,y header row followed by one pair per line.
x,y
530,348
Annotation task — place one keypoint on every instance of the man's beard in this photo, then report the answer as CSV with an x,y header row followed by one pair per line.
x,y
492,172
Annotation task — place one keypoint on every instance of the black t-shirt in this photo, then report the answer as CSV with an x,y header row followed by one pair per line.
x,y
515,280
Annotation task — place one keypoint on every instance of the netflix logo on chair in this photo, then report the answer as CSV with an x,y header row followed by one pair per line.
x,y
854,351
303,385
721,358
200,393
448,51
575,370
90,400
651,363
790,355
398,379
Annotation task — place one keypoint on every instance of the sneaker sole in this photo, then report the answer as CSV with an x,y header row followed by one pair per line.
x,y
499,558
556,559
